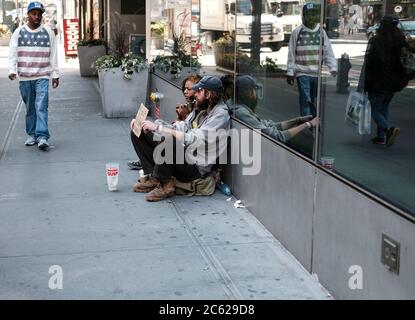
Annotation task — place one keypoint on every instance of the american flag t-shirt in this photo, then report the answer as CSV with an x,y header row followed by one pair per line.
x,y
307,50
33,53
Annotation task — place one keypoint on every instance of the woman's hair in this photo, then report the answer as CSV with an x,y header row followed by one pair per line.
x,y
195,78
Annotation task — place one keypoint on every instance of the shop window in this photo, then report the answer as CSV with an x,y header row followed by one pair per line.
x,y
381,161
262,53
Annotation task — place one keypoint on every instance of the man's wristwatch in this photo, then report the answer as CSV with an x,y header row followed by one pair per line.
x,y
309,125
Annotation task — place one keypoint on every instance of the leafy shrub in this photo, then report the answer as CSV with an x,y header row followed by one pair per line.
x,y
129,64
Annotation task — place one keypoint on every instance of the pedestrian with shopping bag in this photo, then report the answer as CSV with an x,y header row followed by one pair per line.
x,y
384,76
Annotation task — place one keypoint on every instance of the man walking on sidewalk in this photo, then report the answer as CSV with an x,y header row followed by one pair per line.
x,y
33,58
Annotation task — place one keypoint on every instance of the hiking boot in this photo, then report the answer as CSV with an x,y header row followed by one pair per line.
x,y
146,184
391,135
43,144
162,191
379,141
31,141
135,165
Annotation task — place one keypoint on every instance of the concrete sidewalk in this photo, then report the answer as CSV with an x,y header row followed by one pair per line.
x,y
56,210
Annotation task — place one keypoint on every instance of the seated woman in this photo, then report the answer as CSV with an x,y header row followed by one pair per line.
x,y
186,112
246,98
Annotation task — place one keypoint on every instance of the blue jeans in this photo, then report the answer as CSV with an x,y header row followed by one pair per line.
x,y
35,94
379,103
307,88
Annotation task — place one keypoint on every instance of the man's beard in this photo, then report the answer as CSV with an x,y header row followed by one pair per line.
x,y
202,105
251,103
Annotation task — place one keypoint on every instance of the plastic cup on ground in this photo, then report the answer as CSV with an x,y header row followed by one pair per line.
x,y
112,170
327,162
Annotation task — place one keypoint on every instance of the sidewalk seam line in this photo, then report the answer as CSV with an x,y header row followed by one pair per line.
x,y
12,125
216,267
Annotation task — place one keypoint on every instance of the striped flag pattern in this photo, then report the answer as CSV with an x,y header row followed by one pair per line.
x,y
157,111
33,53
307,52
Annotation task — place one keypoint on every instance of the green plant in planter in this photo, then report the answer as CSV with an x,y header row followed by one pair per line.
x,y
132,63
129,64
225,40
181,58
174,64
270,66
157,29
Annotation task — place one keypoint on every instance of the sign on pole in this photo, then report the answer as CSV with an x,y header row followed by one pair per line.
x,y
71,36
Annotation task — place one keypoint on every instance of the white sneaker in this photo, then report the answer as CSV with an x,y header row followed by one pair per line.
x,y
43,144
30,141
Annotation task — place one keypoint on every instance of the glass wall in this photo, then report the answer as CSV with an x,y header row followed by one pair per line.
x,y
382,160
288,75
184,38
263,32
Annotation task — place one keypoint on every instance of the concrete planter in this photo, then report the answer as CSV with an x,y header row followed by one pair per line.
x,y
121,98
87,55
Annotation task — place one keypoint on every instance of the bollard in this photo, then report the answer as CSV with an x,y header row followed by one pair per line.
x,y
344,65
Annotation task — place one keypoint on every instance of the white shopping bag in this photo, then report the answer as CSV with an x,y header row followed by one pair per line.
x,y
358,112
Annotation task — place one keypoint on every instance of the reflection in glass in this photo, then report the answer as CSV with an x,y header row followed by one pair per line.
x,y
387,171
247,94
172,39
303,58
269,67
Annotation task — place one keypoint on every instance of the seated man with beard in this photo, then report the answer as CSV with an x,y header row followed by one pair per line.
x,y
186,113
246,102
184,155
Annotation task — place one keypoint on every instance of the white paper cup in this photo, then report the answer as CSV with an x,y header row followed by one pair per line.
x,y
112,170
327,162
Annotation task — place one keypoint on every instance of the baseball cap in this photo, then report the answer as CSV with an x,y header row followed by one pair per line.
x,y
311,6
246,82
35,5
210,83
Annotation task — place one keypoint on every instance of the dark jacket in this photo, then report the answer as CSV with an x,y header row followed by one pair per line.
x,y
384,71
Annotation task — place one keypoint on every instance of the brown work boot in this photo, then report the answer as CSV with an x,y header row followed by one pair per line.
x,y
146,184
162,191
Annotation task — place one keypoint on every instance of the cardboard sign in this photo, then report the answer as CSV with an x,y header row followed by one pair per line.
x,y
141,116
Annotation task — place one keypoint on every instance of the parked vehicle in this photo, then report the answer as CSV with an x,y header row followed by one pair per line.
x,y
289,13
407,27
218,16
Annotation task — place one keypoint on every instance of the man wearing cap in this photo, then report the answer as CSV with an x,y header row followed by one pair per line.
x,y
246,102
33,59
201,145
303,57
